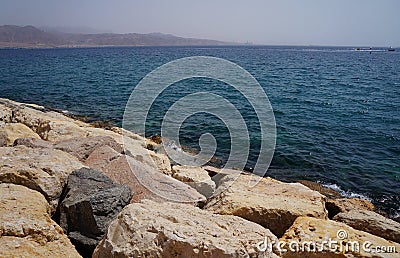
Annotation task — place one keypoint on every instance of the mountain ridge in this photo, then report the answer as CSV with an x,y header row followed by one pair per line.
x,y
13,36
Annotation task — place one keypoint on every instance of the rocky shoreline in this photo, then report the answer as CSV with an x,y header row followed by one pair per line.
x,y
69,189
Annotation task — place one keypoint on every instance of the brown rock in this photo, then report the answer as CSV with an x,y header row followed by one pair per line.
x,y
33,143
5,112
43,170
270,203
80,147
335,206
371,222
83,147
195,177
136,148
23,247
12,131
330,193
101,157
310,232
36,117
151,229
144,181
26,229
217,173
55,131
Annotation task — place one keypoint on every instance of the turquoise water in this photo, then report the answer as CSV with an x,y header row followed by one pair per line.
x,y
337,110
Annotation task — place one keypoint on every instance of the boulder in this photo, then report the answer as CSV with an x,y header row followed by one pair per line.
x,y
89,203
136,148
144,181
151,229
37,117
23,247
335,206
11,131
5,112
34,143
270,203
26,229
43,170
55,131
218,173
328,192
80,147
371,222
196,177
327,238
83,147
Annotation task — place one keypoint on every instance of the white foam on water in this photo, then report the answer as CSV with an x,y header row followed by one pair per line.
x,y
347,194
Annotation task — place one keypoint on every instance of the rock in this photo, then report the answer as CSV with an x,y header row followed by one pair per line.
x,y
328,192
26,229
306,230
335,206
151,229
22,247
43,170
3,139
217,174
127,133
136,148
36,117
5,112
144,181
371,222
34,143
61,130
196,177
80,147
12,131
270,203
83,147
101,157
89,203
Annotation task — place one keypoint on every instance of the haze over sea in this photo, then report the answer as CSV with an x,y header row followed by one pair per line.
x,y
337,110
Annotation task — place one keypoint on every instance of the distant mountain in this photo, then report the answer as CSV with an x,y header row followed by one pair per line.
x,y
12,36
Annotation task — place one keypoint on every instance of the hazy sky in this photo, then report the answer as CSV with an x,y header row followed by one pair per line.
x,y
305,22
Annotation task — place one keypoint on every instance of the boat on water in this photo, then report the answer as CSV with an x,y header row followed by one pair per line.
x,y
390,49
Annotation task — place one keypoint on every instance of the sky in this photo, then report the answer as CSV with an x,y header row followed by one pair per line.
x,y
270,22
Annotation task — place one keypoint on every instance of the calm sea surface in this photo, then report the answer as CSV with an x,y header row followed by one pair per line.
x,y
337,110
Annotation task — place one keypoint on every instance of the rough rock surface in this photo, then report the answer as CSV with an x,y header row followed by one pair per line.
x,y
90,202
126,170
136,148
315,230
61,130
151,229
196,177
83,147
217,173
33,143
47,124
270,203
26,229
11,131
80,147
371,222
328,192
335,206
43,170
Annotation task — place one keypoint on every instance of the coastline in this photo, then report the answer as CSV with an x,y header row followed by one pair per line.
x,y
44,151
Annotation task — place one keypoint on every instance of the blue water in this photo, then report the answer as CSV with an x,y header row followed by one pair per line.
x,y
337,110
